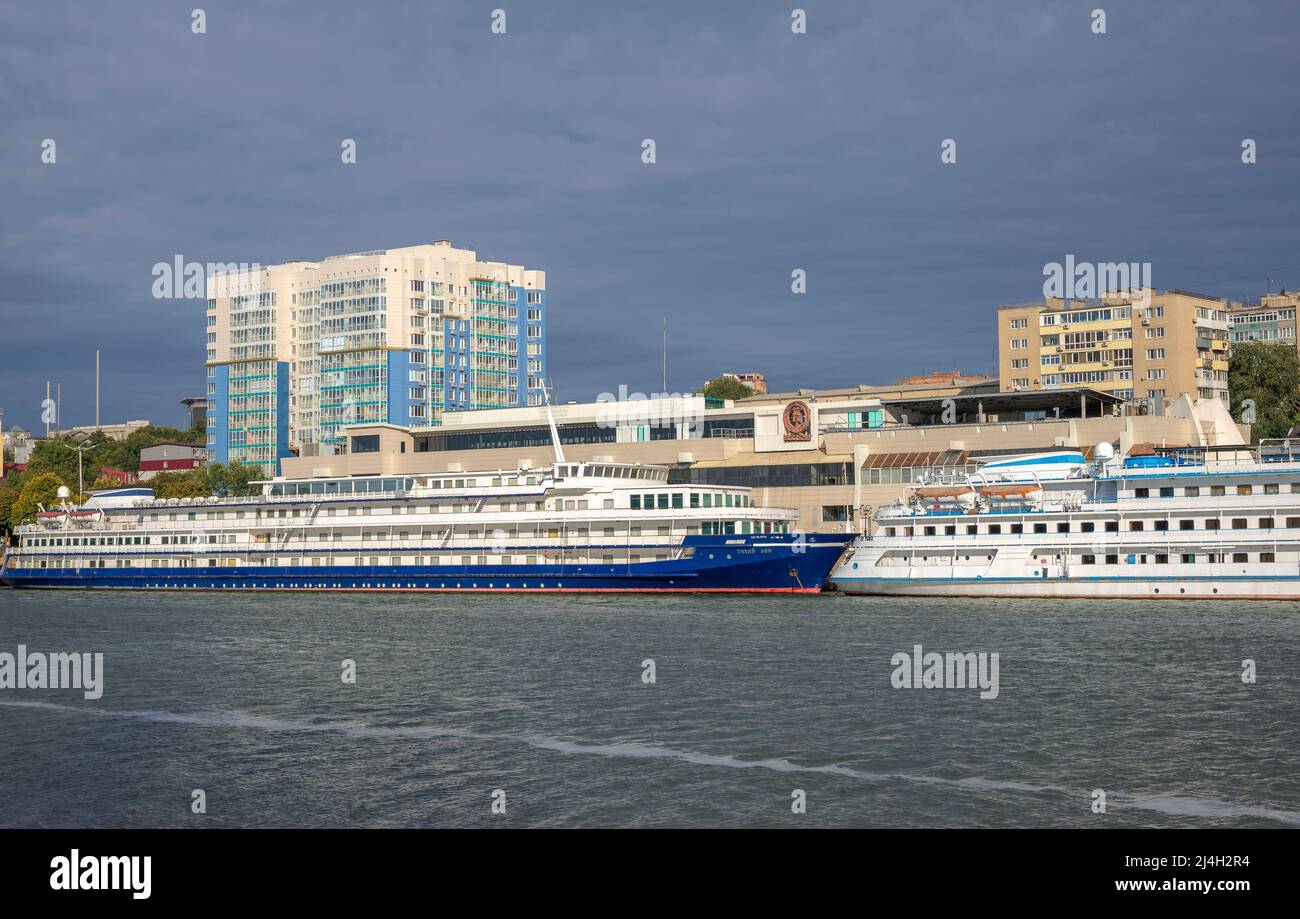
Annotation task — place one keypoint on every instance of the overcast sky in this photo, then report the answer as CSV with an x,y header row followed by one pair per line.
x,y
775,151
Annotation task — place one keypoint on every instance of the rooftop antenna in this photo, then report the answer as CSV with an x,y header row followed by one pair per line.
x,y
555,432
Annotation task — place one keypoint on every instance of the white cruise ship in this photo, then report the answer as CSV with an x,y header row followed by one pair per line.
x,y
575,526
1202,522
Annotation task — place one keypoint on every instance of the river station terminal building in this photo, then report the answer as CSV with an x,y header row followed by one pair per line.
x,y
832,454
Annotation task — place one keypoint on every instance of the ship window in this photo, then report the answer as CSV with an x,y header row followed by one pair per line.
x,y
1192,491
677,499
1216,491
889,531
1293,521
929,531
1089,559
1266,523
1040,528
636,502
1212,524
1112,560
1112,526
1187,558
1088,526
1017,528
1240,557
1162,524
1239,523
1295,488
1267,557
1186,524
1063,527
950,530
1245,489
995,529
1141,492
1162,559
695,499
1135,524
971,529
663,501
1270,488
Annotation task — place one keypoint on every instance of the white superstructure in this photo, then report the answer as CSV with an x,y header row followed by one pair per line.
x,y
1194,522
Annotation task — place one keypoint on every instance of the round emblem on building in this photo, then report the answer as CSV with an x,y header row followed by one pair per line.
x,y
798,421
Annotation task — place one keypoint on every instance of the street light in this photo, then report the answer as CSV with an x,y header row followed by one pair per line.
x,y
80,478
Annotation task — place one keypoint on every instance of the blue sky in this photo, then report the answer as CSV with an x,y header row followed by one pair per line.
x,y
775,151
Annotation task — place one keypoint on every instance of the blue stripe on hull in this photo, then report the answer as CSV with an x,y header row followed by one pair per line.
x,y
714,567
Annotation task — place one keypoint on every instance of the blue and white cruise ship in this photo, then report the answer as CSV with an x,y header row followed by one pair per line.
x,y
574,526
1210,522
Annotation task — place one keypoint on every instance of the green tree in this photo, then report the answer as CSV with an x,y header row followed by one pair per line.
x,y
726,388
232,479
188,483
1264,379
39,490
8,497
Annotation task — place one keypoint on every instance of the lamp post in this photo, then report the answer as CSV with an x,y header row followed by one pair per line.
x,y
80,478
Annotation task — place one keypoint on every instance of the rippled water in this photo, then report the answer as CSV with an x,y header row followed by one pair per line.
x,y
542,697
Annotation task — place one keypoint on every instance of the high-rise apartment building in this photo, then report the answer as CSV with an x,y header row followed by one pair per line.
x,y
297,352
1151,346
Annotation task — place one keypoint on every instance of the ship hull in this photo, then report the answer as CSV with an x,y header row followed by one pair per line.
x,y
757,564
1174,588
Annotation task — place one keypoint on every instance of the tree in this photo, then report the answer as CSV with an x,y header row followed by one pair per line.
x,y
1264,379
188,483
105,481
38,490
232,479
726,388
8,496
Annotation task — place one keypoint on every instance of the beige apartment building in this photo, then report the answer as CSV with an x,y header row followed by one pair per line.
x,y
1146,347
298,351
1272,320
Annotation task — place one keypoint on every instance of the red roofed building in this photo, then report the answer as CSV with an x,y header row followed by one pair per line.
x,y
170,458
120,476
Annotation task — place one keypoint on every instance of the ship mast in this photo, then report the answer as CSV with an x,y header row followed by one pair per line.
x,y
555,432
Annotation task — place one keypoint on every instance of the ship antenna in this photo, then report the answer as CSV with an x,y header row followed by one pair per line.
x,y
555,432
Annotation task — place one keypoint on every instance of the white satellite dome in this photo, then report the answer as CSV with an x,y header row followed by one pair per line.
x,y
1103,451
64,492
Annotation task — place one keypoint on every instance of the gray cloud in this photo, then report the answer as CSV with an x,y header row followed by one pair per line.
x,y
776,151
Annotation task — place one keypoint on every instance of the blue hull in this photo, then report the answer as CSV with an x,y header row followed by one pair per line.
x,y
739,564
